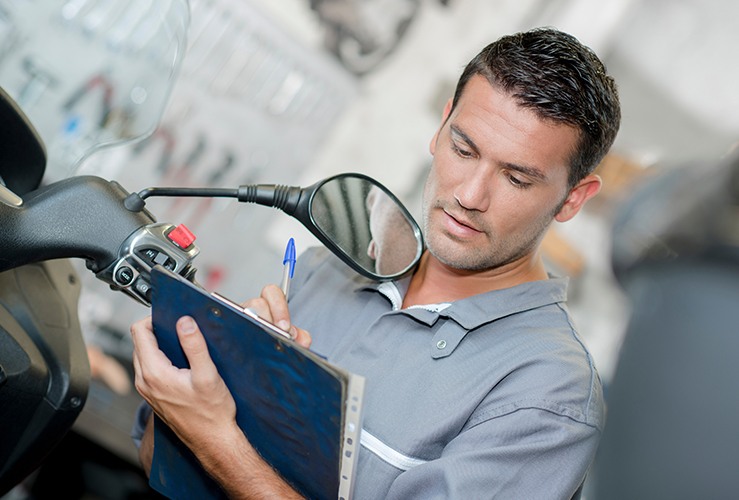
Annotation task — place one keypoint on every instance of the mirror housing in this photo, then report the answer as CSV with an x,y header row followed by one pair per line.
x,y
364,224
355,217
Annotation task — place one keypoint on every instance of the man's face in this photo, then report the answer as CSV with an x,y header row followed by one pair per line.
x,y
499,177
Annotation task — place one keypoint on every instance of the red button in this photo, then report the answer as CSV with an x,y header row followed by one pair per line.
x,y
181,236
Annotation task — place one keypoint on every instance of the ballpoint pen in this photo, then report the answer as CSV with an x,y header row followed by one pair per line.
x,y
288,263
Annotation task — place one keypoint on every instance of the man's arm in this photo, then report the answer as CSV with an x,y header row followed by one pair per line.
x,y
527,453
241,475
196,404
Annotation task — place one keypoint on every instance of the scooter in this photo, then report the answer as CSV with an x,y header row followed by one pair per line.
x,y
44,370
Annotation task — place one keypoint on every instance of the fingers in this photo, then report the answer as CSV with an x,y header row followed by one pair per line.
x,y
278,306
194,402
147,358
301,337
196,350
271,306
145,344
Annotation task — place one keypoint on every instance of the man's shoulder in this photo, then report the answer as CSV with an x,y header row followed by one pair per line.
x,y
317,260
547,365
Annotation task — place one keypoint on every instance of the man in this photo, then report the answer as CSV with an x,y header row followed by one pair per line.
x,y
477,383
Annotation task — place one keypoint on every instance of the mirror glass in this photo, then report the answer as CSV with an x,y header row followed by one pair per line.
x,y
368,224
90,73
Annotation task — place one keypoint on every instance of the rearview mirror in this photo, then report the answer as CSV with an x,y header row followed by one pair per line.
x,y
353,215
363,223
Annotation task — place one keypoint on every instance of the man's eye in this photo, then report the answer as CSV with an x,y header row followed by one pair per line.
x,y
463,153
518,182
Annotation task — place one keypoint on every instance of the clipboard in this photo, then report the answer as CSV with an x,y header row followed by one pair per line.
x,y
300,412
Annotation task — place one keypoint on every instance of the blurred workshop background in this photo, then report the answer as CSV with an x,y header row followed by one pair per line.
x,y
292,91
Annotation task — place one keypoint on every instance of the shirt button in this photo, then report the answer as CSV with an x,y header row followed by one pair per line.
x,y
441,344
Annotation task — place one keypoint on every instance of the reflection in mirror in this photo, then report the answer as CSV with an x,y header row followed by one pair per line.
x,y
367,223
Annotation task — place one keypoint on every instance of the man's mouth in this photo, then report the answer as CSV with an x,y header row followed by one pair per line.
x,y
459,225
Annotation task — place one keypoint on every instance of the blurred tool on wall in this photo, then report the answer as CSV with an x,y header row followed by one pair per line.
x,y
363,33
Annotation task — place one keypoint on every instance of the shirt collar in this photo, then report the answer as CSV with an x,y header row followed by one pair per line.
x,y
477,310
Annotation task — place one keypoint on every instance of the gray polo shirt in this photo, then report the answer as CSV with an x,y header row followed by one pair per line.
x,y
493,396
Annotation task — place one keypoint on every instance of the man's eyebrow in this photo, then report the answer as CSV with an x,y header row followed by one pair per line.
x,y
456,131
532,172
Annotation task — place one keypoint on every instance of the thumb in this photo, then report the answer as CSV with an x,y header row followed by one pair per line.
x,y
193,343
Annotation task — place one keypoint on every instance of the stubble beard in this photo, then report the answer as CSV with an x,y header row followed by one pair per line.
x,y
494,254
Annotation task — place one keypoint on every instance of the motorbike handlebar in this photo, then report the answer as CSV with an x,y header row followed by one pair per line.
x,y
85,217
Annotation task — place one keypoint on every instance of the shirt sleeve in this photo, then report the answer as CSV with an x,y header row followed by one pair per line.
x,y
143,413
528,453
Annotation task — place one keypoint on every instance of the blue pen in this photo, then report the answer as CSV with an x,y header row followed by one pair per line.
x,y
288,263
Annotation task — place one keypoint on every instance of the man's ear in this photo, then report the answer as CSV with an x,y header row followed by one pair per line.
x,y
447,110
582,192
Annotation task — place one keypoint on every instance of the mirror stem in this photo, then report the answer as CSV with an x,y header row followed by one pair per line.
x,y
134,202
284,198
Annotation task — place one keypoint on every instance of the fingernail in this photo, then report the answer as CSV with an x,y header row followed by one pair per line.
x,y
283,324
186,324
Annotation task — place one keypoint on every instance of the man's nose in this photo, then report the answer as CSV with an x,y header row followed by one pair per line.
x,y
474,193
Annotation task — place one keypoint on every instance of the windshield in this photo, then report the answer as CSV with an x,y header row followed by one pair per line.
x,y
90,73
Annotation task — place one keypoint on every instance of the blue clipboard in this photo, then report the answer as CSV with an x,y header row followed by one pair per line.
x,y
301,413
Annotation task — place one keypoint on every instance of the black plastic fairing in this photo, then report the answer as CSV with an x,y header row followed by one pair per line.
x,y
22,152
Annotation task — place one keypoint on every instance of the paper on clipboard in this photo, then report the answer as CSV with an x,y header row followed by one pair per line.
x,y
300,412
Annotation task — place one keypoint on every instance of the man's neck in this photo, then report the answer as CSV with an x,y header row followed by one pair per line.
x,y
434,282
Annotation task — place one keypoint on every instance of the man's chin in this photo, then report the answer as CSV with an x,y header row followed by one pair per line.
x,y
468,261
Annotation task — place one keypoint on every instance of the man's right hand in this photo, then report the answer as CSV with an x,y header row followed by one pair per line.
x,y
271,306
